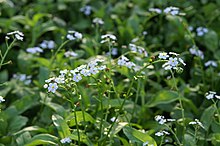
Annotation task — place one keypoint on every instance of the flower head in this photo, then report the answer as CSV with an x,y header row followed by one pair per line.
x,y
52,87
201,31
108,37
66,140
47,44
1,99
34,50
17,34
211,95
72,35
163,55
86,10
196,122
171,10
98,21
211,63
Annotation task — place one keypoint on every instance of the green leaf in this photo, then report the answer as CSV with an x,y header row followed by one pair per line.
x,y
137,136
17,123
216,139
57,108
31,128
211,40
26,103
163,97
189,140
79,116
83,137
41,139
43,75
207,116
3,76
61,126
23,138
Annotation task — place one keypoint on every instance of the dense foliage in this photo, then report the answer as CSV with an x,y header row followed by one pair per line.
x,y
109,72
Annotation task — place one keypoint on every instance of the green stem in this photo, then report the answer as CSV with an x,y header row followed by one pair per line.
x,y
6,52
54,56
120,109
77,126
171,130
180,101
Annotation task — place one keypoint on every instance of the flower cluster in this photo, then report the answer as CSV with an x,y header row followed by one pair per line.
x,y
171,10
195,51
161,119
211,95
162,133
23,78
155,10
66,140
1,99
98,21
86,10
168,10
44,45
173,62
72,35
124,61
108,38
201,31
138,49
17,34
211,63
114,52
34,50
70,54
75,75
196,122
47,44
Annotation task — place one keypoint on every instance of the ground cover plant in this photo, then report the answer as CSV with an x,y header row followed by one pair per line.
x,y
109,72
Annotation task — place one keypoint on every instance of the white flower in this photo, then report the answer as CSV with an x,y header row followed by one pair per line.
x,y
181,61
66,140
98,21
86,10
163,55
160,119
77,77
23,78
171,10
145,143
59,80
138,49
18,35
70,53
211,95
34,50
108,37
196,122
72,35
1,99
47,44
45,86
113,119
173,61
195,51
156,10
159,134
201,31
211,63
52,87
144,32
